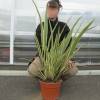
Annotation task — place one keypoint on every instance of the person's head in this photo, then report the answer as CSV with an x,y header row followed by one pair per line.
x,y
53,7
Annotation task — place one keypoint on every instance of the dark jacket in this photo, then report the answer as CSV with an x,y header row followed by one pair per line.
x,y
60,25
53,23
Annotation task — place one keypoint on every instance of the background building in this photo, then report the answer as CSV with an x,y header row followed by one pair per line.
x,y
18,21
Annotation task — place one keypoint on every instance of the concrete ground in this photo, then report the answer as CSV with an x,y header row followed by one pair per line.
x,y
24,88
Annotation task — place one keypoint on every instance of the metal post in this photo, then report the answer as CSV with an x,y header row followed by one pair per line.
x,y
12,30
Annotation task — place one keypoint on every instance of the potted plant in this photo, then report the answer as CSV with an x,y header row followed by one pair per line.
x,y
54,55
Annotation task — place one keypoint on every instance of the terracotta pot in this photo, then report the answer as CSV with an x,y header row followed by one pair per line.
x,y
50,91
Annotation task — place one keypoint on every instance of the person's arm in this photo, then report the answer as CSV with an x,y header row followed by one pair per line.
x,y
38,33
65,32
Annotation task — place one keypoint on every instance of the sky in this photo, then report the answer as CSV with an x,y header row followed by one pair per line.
x,y
93,5
85,5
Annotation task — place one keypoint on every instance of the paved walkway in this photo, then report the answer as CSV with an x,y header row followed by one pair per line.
x,y
24,88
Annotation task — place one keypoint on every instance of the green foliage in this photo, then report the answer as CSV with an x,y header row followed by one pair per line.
x,y
53,60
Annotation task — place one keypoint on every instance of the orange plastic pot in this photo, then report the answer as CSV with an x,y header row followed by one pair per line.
x,y
50,91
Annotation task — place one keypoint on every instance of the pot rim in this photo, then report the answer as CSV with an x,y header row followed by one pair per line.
x,y
50,82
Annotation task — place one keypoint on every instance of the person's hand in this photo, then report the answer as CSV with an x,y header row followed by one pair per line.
x,y
71,64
